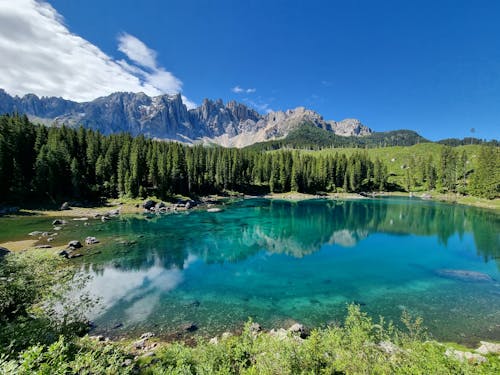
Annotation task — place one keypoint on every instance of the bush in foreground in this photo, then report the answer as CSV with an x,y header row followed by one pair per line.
x,y
358,347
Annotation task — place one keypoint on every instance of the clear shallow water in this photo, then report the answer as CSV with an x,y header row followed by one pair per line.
x,y
278,261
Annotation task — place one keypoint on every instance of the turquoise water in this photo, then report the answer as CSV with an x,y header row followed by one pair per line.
x,y
278,262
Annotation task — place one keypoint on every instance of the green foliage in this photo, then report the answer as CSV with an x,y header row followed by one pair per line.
x,y
486,179
359,346
37,163
83,356
32,308
313,138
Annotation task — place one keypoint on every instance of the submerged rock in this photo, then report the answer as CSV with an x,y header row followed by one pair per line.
x,y
464,275
58,222
190,327
214,209
43,247
91,240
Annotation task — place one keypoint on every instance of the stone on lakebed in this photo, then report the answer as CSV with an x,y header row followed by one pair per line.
x,y
464,275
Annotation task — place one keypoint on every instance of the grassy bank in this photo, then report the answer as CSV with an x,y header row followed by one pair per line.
x,y
358,346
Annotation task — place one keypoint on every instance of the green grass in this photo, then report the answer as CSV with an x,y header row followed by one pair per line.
x,y
356,347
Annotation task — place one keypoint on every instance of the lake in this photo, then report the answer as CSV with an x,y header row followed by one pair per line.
x,y
279,262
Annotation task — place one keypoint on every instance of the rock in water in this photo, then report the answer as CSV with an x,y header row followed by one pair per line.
x,y
190,327
215,209
74,244
464,275
91,240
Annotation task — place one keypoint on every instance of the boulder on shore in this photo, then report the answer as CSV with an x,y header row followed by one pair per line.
x,y
159,205
488,348
4,251
148,204
465,356
65,206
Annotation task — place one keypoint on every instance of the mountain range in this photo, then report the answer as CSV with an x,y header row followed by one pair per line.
x,y
166,117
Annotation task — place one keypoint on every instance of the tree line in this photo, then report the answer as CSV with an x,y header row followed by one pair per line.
x,y
39,162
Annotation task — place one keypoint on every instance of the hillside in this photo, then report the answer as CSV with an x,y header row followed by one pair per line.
x,y
310,137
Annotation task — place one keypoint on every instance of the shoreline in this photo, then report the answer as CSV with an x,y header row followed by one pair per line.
x,y
134,206
127,206
469,201
149,343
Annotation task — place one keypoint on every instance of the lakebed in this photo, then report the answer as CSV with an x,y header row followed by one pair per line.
x,y
280,261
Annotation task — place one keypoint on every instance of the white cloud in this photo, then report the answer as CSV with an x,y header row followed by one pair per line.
x,y
137,51
40,55
239,90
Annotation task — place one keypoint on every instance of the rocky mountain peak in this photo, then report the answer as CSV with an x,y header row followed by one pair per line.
x,y
166,117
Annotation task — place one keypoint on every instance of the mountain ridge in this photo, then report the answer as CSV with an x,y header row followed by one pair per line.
x,y
166,117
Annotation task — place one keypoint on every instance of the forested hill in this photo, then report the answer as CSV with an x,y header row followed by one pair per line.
x,y
314,138
47,163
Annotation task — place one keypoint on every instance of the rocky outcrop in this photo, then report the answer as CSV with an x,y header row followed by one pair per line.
x,y
166,117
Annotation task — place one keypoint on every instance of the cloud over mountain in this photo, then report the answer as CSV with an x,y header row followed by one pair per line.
x,y
41,55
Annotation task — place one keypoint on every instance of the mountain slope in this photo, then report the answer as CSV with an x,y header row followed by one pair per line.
x,y
166,117
311,137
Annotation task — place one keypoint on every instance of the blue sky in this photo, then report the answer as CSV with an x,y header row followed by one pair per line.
x,y
430,66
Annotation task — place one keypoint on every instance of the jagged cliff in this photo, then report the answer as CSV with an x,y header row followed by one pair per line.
x,y
166,117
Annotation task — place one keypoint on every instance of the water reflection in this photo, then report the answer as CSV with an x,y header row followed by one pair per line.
x,y
276,260
292,228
